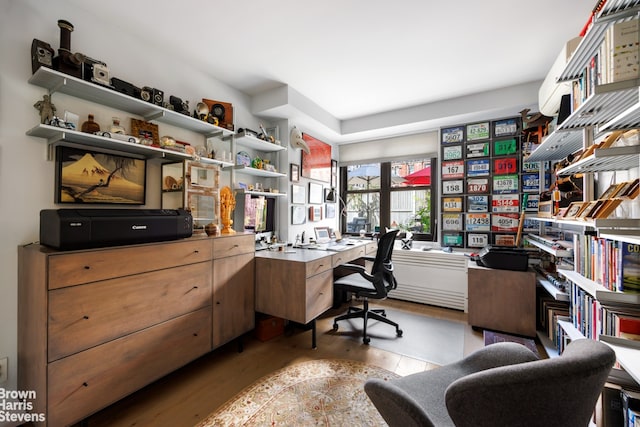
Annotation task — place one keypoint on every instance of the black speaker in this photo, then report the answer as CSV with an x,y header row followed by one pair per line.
x,y
565,108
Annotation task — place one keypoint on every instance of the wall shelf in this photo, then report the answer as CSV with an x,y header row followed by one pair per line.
x,y
255,172
608,159
55,81
556,293
56,135
260,193
548,246
258,144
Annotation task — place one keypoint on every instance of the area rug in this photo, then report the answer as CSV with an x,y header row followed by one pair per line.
x,y
432,340
326,392
491,337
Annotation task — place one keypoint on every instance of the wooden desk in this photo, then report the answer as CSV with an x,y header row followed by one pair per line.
x,y
297,284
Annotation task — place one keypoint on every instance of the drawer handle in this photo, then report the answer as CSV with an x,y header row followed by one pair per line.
x,y
217,302
195,334
85,317
196,251
87,267
195,287
85,384
235,246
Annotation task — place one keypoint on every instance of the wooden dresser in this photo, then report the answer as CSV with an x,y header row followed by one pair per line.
x,y
96,325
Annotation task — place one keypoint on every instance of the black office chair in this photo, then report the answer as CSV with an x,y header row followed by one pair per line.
x,y
374,285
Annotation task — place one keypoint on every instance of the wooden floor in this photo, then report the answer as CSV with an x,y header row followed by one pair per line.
x,y
188,395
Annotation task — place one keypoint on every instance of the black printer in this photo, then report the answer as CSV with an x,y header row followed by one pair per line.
x,y
502,258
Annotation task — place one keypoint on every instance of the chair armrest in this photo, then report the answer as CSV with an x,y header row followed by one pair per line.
x,y
358,269
368,258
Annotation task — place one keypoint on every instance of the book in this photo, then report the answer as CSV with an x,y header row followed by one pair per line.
x,y
630,268
630,406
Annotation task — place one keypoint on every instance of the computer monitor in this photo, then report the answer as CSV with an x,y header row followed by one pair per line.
x,y
322,234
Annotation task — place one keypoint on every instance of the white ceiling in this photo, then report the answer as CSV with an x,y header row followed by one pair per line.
x,y
359,59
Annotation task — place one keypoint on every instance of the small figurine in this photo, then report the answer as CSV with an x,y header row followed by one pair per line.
x,y
46,108
227,204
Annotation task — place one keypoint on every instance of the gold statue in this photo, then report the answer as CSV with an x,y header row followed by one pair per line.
x,y
227,204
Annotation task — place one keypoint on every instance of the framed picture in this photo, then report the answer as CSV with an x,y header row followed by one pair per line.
x,y
586,210
315,213
573,209
298,215
294,172
316,164
315,193
330,210
545,209
329,195
142,129
298,194
334,173
607,208
612,191
90,177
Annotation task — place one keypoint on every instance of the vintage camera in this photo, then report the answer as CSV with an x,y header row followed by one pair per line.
x,y
96,71
41,55
152,95
125,87
67,62
178,105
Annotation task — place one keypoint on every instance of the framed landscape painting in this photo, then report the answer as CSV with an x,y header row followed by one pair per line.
x,y
89,177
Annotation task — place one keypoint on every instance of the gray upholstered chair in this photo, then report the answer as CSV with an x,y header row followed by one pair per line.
x,y
503,384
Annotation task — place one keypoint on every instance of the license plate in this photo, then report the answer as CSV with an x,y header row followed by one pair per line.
x,y
478,222
452,204
507,146
505,203
478,131
453,187
478,203
451,135
505,166
478,150
453,169
505,240
452,152
475,240
452,222
505,222
477,186
452,239
505,184
478,167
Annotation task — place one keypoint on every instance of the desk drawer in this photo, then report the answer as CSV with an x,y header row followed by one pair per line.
x,y
319,295
91,380
68,269
348,255
318,266
233,245
87,315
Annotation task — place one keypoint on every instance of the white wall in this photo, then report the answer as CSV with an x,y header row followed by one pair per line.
x,y
26,177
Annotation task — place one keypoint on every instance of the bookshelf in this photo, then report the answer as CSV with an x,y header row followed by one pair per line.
x,y
595,293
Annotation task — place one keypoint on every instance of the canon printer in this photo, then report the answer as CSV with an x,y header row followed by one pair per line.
x,y
91,228
502,257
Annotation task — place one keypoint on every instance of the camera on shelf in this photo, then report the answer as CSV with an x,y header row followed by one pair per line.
x,y
41,55
178,105
67,62
96,71
125,87
152,95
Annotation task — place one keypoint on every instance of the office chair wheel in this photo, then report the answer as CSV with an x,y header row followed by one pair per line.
x,y
399,332
366,340
335,327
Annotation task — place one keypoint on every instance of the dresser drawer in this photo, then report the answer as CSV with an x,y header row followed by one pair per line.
x,y
87,315
74,268
233,245
348,255
319,295
86,382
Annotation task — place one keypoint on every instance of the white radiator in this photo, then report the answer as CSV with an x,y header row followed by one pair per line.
x,y
431,277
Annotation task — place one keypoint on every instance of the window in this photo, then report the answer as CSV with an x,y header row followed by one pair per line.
x,y
394,194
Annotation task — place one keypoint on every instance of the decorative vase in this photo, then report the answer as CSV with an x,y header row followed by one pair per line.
x,y
90,126
115,126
